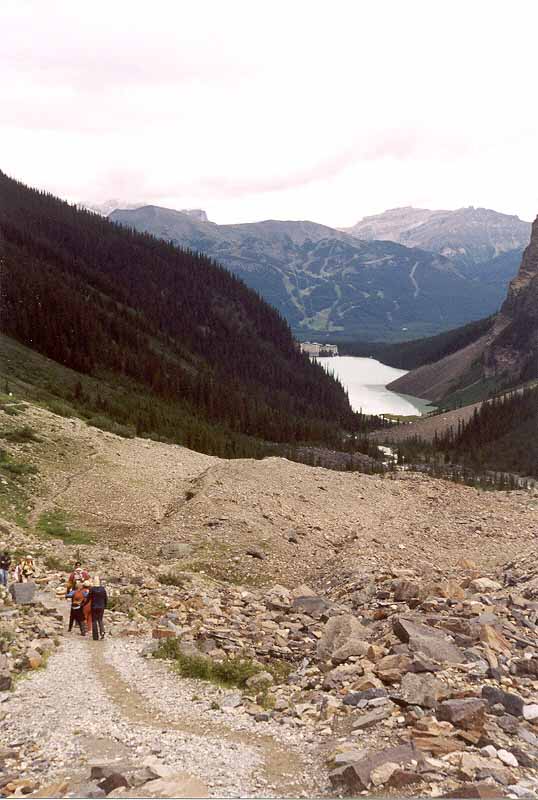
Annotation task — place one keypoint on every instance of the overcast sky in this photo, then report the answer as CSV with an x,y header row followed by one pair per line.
x,y
274,108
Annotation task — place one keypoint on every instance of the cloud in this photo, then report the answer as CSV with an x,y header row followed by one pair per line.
x,y
271,108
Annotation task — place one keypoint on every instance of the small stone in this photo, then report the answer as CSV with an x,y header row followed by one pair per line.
x,y
421,690
113,781
465,713
507,758
530,711
382,774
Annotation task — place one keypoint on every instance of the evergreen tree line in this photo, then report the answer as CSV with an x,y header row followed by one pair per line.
x,y
170,324
497,444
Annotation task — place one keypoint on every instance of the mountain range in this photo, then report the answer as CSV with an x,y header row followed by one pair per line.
x,y
468,236
329,283
502,355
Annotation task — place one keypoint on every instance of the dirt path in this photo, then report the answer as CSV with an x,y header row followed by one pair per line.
x,y
83,710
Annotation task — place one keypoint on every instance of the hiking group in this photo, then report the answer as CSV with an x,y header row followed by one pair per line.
x,y
88,597
88,602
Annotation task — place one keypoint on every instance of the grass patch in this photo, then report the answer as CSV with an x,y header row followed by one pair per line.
x,y
232,671
169,579
21,435
107,424
60,408
56,525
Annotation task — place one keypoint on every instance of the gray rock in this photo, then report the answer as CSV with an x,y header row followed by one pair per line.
x,y
174,550
371,718
232,700
421,690
355,776
513,703
426,640
23,593
314,606
464,713
113,781
256,552
342,637
354,698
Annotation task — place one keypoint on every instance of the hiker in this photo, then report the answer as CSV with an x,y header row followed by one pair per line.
x,y
77,614
25,570
17,572
99,601
28,569
87,607
77,576
5,563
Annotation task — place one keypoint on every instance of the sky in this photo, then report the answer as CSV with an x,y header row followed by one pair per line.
x,y
273,109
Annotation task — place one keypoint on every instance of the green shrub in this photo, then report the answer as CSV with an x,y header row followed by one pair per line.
x,y
21,435
169,579
55,525
107,424
19,468
60,408
232,671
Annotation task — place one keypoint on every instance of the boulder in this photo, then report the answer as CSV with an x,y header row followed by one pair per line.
x,y
479,790
175,550
342,637
355,776
513,703
354,698
260,681
531,711
23,593
372,718
5,681
429,641
256,552
484,585
178,785
34,659
312,605
382,774
113,781
494,640
405,590
466,713
507,758
391,668
421,690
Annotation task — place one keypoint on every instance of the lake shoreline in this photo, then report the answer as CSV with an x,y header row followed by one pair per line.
x,y
366,380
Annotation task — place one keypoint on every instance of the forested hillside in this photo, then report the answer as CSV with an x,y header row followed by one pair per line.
x,y
416,353
501,435
164,323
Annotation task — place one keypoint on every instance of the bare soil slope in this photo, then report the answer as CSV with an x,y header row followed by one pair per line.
x,y
261,521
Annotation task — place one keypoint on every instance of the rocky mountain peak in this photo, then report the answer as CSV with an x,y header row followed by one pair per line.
x,y
195,213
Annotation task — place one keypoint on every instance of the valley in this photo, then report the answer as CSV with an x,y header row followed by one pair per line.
x,y
261,560
268,401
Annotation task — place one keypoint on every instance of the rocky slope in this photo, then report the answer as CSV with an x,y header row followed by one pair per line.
x,y
468,235
389,627
506,356
327,281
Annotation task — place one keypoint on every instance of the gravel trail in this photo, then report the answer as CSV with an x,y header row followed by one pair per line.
x,y
101,702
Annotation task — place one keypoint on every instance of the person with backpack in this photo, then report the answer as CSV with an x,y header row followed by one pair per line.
x,y
5,563
77,576
99,600
78,598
